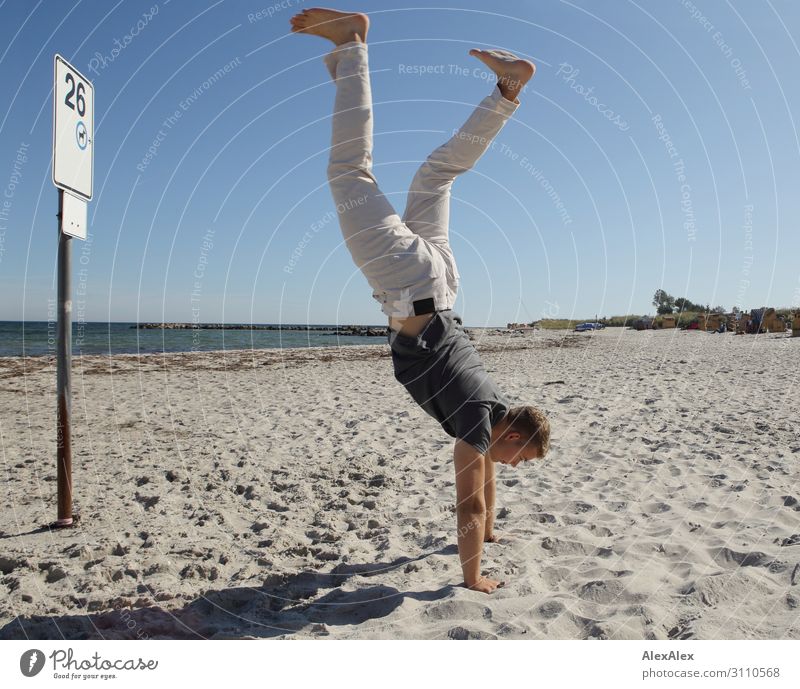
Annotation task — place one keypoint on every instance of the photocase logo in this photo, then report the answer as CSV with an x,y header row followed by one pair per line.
x,y
31,662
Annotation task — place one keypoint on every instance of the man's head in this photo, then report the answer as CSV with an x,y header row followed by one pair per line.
x,y
522,434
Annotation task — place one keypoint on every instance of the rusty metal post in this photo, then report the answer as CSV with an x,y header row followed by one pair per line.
x,y
63,374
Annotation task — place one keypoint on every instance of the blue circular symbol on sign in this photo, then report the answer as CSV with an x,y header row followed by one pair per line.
x,y
81,135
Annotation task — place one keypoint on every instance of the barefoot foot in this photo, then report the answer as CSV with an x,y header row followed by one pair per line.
x,y
512,72
339,27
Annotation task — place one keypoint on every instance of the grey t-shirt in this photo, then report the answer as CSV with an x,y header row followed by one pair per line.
x,y
442,371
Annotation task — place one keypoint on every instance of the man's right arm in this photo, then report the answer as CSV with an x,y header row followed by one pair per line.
x,y
471,515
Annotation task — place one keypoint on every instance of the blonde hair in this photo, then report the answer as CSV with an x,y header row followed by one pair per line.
x,y
532,424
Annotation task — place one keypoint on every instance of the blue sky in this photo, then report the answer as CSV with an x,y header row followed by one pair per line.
x,y
655,148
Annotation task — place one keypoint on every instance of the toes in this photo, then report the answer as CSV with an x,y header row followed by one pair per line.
x,y
504,55
299,25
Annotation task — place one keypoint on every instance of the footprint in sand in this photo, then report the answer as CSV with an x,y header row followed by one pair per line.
x,y
544,518
462,634
732,558
9,564
147,501
558,547
318,536
790,501
458,609
684,629
551,609
607,592
583,507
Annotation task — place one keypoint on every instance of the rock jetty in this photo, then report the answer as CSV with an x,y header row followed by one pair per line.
x,y
344,330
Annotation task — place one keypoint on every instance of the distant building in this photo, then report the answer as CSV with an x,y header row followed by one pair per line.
x,y
668,321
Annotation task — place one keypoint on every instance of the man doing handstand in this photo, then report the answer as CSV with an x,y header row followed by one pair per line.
x,y
410,266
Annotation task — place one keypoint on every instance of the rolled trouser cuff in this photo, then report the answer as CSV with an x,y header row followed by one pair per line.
x,y
346,51
427,297
502,104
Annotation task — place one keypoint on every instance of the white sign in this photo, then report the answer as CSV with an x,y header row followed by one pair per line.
x,y
73,130
73,216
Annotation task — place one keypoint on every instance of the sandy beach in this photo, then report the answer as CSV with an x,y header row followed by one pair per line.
x,y
303,494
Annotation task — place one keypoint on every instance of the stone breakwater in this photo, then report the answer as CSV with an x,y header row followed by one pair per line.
x,y
357,330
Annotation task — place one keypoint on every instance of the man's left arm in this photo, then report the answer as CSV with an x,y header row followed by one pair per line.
x,y
488,497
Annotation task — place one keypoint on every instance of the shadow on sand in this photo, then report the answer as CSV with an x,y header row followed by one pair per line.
x,y
274,609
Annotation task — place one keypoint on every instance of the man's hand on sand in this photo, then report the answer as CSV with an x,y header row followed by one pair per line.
x,y
485,585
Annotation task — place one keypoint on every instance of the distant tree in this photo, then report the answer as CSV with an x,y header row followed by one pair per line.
x,y
682,304
659,297
664,302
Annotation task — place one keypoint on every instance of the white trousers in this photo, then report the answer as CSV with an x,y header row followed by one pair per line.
x,y
408,262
